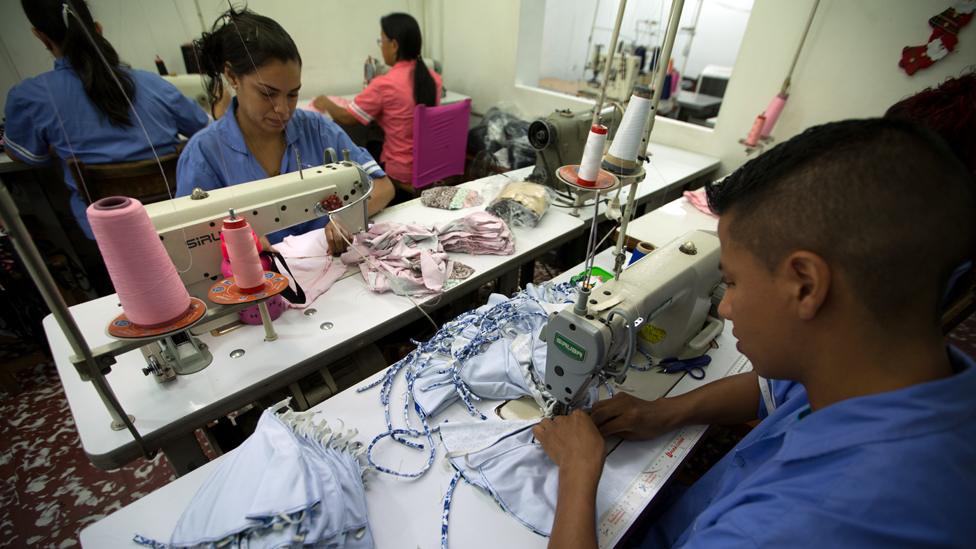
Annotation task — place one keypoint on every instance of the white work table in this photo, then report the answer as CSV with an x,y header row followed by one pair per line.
x,y
407,513
670,221
166,414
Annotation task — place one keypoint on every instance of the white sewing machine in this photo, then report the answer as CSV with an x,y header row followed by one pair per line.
x,y
660,303
192,86
624,75
189,226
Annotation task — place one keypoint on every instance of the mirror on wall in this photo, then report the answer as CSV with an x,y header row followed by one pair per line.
x,y
576,36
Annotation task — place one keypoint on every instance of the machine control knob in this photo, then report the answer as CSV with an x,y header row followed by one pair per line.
x,y
688,248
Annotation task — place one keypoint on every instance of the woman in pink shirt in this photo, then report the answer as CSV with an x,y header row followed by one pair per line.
x,y
389,99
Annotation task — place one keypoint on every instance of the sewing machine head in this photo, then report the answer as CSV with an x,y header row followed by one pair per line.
x,y
189,226
559,140
661,303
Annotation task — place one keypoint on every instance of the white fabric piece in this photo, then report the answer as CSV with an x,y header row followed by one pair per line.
x,y
518,474
292,482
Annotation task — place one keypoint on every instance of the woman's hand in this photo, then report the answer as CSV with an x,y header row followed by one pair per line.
x,y
336,237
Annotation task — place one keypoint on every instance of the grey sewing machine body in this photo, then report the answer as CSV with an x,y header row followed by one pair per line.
x,y
661,303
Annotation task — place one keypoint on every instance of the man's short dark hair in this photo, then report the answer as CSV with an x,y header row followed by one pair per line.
x,y
884,201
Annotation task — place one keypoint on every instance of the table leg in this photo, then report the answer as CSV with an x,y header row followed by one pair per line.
x,y
184,454
508,282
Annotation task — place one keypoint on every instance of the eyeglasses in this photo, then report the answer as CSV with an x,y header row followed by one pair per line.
x,y
379,41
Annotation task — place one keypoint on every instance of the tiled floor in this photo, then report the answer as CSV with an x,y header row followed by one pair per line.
x,y
49,490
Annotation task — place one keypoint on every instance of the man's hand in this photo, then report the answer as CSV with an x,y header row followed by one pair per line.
x,y
334,236
634,419
265,244
572,442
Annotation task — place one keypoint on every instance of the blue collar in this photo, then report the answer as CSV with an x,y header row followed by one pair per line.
x,y
914,411
61,63
231,131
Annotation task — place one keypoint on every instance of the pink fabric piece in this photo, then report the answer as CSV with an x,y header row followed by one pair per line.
x,y
338,100
479,233
311,263
699,201
405,259
411,259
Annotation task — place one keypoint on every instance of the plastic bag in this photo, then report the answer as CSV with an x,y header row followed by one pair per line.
x,y
521,204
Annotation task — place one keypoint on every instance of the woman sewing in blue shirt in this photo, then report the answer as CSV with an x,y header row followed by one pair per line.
x,y
81,109
262,134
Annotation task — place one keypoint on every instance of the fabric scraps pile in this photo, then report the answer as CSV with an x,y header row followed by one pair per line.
x,y
450,198
411,259
479,233
293,483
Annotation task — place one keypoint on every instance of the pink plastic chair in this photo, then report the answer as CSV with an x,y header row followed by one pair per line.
x,y
440,138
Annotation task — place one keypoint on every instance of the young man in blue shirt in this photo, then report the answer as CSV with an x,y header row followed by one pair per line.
x,y
838,247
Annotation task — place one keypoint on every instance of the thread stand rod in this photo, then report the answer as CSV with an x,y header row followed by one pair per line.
x,y
55,302
269,331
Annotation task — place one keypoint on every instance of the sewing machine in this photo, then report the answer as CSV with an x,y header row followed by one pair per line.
x,y
189,226
192,86
660,304
624,75
559,140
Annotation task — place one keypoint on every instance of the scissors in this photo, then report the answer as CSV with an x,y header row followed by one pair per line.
x,y
695,367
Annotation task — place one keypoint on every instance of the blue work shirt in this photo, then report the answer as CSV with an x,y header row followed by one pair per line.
x,y
218,157
895,469
51,112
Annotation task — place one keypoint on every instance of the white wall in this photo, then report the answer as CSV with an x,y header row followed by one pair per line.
x,y
567,24
333,36
848,69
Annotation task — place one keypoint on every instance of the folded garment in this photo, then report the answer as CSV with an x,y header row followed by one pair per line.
x,y
292,482
450,198
479,233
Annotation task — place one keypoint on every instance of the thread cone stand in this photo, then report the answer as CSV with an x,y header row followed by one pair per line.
x,y
226,292
123,328
605,180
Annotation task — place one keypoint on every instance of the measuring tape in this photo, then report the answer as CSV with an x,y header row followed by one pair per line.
x,y
616,520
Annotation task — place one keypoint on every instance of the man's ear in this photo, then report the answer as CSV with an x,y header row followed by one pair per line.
x,y
98,28
807,278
